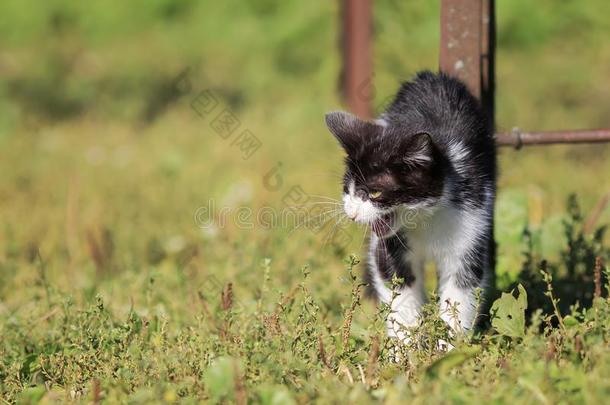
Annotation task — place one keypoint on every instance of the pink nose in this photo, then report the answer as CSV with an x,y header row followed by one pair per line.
x,y
353,216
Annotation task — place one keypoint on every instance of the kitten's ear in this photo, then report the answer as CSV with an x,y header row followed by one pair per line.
x,y
418,149
347,128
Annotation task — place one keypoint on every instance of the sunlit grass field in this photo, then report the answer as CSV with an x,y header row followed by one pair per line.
x,y
116,285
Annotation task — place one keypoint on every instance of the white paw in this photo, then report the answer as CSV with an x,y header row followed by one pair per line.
x,y
444,346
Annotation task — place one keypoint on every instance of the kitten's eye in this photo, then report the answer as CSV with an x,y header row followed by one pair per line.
x,y
374,194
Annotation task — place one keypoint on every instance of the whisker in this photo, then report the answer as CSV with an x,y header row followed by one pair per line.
x,y
324,197
308,220
332,231
314,203
379,252
337,176
396,233
334,212
366,231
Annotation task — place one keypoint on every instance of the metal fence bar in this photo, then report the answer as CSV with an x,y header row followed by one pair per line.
x,y
467,51
461,39
517,138
357,74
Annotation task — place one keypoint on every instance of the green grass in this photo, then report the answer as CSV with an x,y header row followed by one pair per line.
x,y
178,333
111,290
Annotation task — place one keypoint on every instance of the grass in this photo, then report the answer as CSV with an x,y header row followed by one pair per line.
x,y
111,290
182,334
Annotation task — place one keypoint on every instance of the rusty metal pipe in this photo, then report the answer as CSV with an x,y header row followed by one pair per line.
x,y
516,138
357,75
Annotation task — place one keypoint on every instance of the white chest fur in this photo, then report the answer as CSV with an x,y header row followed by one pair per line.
x,y
445,234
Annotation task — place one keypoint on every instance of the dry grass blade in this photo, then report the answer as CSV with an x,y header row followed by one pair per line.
x,y
373,360
96,391
227,297
596,214
322,353
597,277
241,396
101,249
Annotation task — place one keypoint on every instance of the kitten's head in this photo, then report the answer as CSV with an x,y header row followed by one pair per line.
x,y
386,168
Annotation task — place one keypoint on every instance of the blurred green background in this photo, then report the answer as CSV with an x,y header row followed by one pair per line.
x,y
104,162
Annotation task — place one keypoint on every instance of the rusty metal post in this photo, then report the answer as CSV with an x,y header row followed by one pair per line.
x,y
467,52
467,46
460,47
357,75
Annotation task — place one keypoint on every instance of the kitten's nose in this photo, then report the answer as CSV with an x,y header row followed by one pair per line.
x,y
353,216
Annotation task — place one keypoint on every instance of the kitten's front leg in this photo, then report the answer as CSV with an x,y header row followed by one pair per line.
x,y
458,306
390,257
459,280
405,309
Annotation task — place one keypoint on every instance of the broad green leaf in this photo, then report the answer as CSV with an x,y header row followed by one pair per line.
x,y
569,321
31,395
219,378
508,314
274,395
451,360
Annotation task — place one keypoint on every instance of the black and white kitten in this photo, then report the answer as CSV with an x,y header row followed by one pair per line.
x,y
423,177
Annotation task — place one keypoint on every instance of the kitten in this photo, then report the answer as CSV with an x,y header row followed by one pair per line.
x,y
423,177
